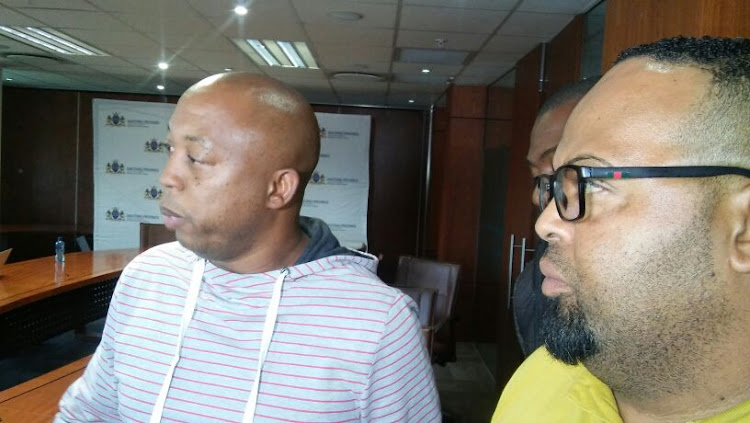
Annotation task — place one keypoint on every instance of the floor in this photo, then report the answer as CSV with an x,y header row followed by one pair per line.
x,y
466,387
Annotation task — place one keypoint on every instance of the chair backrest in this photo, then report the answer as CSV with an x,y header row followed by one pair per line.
x,y
440,276
425,299
83,244
154,234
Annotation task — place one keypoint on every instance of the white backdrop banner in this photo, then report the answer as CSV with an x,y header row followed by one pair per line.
x,y
339,187
129,155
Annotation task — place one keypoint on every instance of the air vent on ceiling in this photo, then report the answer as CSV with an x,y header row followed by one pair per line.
x,y
357,76
432,56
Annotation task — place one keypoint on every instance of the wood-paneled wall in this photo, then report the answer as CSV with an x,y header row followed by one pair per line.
x,y
632,22
47,165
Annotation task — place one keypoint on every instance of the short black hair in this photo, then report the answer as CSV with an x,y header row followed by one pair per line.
x,y
574,91
725,58
718,131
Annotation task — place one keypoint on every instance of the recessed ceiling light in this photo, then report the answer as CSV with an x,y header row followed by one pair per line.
x,y
240,10
8,79
411,101
425,70
163,65
49,39
227,69
345,15
160,87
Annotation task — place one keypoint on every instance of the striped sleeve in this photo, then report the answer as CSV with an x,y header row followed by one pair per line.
x,y
401,386
93,397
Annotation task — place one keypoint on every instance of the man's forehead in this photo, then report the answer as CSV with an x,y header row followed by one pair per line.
x,y
638,107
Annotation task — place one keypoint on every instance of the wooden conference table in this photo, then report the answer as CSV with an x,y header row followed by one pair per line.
x,y
35,401
40,299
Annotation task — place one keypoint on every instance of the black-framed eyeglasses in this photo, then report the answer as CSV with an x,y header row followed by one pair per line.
x,y
568,184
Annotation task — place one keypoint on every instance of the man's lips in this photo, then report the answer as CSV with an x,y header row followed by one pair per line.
x,y
553,284
172,220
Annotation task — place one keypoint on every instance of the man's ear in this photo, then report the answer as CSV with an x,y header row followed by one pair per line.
x,y
739,254
283,188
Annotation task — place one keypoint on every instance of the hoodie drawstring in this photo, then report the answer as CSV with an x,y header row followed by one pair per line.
x,y
187,316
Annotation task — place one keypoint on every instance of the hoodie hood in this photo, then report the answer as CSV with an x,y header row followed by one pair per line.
x,y
322,243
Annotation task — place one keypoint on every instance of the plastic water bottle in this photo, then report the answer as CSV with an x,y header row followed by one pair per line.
x,y
59,250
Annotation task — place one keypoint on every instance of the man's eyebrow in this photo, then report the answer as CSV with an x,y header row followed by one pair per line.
x,y
589,157
544,154
194,138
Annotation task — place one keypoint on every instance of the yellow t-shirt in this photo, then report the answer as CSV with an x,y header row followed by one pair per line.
x,y
547,390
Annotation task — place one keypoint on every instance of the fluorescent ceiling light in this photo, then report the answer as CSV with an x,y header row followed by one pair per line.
x,y
49,39
288,54
425,70
160,87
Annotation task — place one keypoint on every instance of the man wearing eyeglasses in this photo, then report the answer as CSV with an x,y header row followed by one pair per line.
x,y
528,300
648,264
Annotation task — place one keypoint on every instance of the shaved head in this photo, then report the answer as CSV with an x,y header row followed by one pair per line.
x,y
283,119
242,149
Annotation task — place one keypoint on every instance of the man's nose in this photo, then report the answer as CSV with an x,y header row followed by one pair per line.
x,y
170,175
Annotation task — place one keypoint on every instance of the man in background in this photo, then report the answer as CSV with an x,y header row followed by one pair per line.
x,y
648,263
528,300
256,312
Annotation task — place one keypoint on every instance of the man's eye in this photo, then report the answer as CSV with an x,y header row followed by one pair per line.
x,y
593,185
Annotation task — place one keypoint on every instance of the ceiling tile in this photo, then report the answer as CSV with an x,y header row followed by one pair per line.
x,y
185,24
268,10
378,68
373,15
64,19
282,73
320,96
513,43
10,17
450,19
466,4
535,24
101,39
352,87
266,30
50,4
414,89
325,34
416,69
142,7
496,58
423,100
362,99
335,56
572,7
425,79
215,61
452,40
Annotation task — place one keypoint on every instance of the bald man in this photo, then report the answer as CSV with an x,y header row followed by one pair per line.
x,y
255,314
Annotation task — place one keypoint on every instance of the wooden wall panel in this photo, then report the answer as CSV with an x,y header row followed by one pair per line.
x,y
437,175
564,52
459,217
632,22
39,157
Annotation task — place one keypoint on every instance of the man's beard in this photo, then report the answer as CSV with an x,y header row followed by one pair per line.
x,y
567,334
